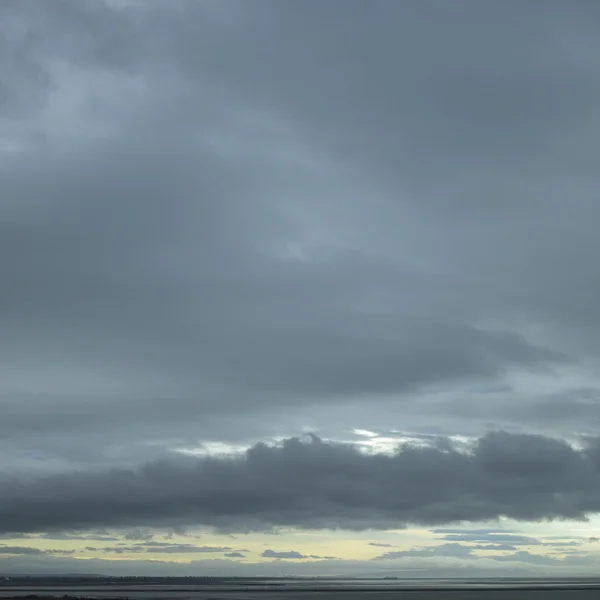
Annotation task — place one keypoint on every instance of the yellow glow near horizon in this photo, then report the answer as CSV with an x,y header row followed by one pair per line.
x,y
344,545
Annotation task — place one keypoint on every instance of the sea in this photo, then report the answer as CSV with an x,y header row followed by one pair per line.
x,y
328,589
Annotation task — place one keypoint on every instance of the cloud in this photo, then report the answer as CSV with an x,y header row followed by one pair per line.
x,y
199,252
116,549
187,548
538,559
165,548
234,555
473,532
329,252
232,567
493,537
494,547
100,537
28,550
449,550
562,544
290,554
150,544
138,534
460,551
323,485
19,550
293,555
378,545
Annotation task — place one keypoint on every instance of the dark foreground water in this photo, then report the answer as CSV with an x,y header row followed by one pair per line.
x,y
349,589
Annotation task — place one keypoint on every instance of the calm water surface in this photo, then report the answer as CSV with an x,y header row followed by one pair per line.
x,y
330,589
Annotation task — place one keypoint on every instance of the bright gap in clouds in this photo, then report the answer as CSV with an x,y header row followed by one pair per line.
x,y
374,443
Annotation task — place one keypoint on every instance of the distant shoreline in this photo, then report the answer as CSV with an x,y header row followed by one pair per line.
x,y
63,597
564,587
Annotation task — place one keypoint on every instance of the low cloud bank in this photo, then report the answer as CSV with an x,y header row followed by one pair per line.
x,y
319,484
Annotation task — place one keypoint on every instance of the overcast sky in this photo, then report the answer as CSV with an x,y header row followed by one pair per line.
x,y
300,286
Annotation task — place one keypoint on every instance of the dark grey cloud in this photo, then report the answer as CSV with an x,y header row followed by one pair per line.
x,y
210,229
447,550
234,555
293,555
323,485
378,545
289,554
61,535
539,559
454,550
116,549
495,547
165,548
28,550
151,544
187,548
494,537
139,534
19,550
571,407
473,532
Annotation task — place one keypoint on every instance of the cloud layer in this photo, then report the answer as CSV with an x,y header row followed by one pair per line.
x,y
214,234
236,246
316,484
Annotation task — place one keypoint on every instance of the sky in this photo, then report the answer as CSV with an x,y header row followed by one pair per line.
x,y
300,287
